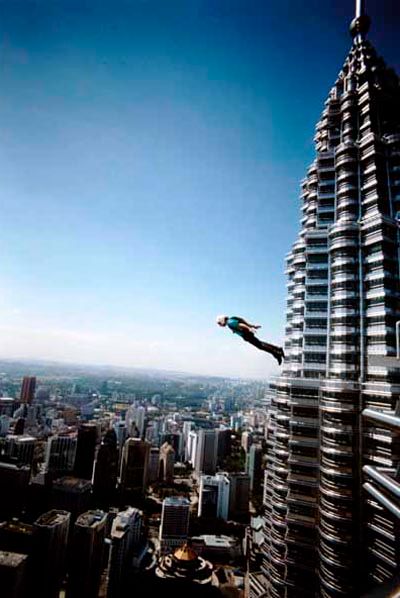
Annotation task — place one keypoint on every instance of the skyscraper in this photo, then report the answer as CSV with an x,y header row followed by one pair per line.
x,y
60,454
51,539
224,443
126,542
18,537
167,460
106,470
239,490
174,526
15,478
87,555
28,389
72,495
85,450
19,449
254,467
154,465
13,577
134,464
324,535
191,448
206,452
214,494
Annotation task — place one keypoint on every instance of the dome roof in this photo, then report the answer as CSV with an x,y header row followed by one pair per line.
x,y
185,553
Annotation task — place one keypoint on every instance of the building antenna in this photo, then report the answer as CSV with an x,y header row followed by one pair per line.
x,y
360,8
360,24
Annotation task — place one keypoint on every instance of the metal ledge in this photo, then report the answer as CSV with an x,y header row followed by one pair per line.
x,y
381,498
383,418
384,361
384,480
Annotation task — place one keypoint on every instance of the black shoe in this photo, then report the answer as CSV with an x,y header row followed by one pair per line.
x,y
279,356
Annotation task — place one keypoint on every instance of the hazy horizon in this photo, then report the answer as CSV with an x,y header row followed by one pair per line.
x,y
151,158
35,366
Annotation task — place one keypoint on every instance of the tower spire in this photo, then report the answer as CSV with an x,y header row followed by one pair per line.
x,y
360,24
360,8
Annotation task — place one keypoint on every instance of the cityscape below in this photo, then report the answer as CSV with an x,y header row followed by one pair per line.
x,y
125,482
118,482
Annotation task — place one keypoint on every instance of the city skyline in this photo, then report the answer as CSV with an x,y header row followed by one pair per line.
x,y
134,143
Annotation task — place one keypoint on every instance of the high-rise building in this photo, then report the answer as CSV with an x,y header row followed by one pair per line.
x,y
135,420
246,441
13,577
28,389
85,451
51,538
19,449
175,439
191,448
134,464
60,454
15,478
7,406
214,492
126,543
71,494
154,465
140,419
254,467
224,443
174,526
152,433
86,558
187,428
106,470
19,537
167,460
229,404
239,490
122,434
206,452
325,534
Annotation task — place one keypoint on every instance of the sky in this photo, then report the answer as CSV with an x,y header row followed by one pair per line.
x,y
150,160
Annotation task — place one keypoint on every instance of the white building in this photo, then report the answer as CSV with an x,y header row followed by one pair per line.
x,y
126,546
191,448
206,452
60,453
214,495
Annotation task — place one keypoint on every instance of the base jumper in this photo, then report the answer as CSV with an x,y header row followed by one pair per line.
x,y
245,330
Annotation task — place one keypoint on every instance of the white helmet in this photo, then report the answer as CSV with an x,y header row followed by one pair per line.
x,y
221,320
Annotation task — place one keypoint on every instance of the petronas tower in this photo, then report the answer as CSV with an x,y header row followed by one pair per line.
x,y
332,486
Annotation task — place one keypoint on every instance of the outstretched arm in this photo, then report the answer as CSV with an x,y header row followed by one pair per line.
x,y
248,325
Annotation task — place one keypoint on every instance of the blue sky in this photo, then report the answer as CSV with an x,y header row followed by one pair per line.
x,y
150,159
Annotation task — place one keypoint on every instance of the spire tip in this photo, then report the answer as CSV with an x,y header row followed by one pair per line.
x,y
361,22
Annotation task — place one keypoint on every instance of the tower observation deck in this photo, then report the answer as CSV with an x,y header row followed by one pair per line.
x,y
331,494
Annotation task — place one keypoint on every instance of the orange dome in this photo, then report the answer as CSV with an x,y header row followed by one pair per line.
x,y
185,553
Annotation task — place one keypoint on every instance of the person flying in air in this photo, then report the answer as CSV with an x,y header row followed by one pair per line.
x,y
245,330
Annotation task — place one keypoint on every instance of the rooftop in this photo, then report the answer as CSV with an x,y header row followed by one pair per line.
x,y
176,501
52,518
11,559
91,518
185,553
214,541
